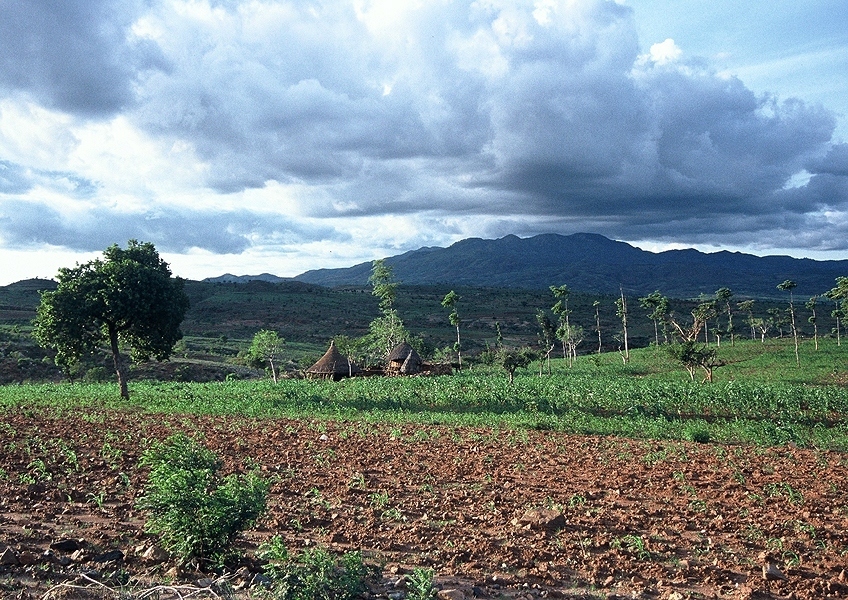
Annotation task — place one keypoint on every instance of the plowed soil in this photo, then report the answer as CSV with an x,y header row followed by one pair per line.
x,y
495,513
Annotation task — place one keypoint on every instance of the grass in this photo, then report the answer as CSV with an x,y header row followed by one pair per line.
x,y
759,397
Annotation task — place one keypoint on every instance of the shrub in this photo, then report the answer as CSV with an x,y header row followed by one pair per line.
x,y
195,512
420,585
314,573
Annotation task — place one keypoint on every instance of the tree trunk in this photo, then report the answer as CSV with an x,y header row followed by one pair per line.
x,y
273,370
118,362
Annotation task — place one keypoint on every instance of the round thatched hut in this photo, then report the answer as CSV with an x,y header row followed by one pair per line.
x,y
333,365
404,360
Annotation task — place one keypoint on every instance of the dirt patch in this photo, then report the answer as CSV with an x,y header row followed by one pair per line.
x,y
493,513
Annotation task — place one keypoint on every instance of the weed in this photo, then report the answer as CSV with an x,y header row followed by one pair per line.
x,y
195,512
784,489
633,544
576,500
357,481
379,499
314,573
419,585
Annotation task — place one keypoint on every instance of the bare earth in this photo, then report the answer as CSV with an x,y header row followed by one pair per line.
x,y
493,513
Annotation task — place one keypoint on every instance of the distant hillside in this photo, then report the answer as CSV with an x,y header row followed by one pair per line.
x,y
591,263
228,278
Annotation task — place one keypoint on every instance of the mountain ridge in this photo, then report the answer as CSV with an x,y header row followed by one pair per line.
x,y
592,263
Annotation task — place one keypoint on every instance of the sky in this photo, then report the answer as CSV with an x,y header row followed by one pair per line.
x,y
281,136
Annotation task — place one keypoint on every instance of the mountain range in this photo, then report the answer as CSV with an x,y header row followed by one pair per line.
x,y
592,263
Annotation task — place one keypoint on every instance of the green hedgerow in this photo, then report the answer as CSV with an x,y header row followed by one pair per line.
x,y
195,512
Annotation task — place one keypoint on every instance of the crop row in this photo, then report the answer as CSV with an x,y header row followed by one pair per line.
x,y
734,411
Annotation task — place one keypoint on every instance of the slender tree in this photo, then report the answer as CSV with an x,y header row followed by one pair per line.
x,y
788,286
839,295
657,306
560,309
547,339
450,301
723,296
747,307
266,347
621,311
811,306
597,305
387,331
127,299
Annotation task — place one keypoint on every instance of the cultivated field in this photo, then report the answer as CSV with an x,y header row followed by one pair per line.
x,y
605,480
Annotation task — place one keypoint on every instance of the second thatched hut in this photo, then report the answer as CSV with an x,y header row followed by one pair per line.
x,y
333,365
404,360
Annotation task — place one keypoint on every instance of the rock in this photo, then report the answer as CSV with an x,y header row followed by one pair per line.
x,y
8,557
772,573
110,556
28,558
451,594
261,580
675,596
155,554
205,582
66,545
543,518
80,555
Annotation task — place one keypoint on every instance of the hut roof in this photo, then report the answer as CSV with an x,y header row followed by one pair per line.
x,y
401,352
333,363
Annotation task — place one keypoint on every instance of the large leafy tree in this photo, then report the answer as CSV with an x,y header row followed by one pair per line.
x,y
267,346
128,298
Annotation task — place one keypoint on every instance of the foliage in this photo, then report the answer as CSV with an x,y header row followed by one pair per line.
x,y
384,332
450,301
510,360
314,573
266,347
657,305
196,513
128,298
419,585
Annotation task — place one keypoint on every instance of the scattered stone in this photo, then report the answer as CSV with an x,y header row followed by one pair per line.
x,y
66,545
772,573
8,557
28,558
675,596
608,581
205,582
261,580
110,556
543,518
80,556
155,554
451,594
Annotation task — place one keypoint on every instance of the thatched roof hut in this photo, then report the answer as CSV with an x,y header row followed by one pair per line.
x,y
404,360
333,365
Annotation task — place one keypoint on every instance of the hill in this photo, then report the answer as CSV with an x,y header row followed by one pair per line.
x,y
594,264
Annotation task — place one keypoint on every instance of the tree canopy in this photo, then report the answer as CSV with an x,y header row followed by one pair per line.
x,y
127,298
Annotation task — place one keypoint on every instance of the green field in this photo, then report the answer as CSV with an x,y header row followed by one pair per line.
x,y
759,396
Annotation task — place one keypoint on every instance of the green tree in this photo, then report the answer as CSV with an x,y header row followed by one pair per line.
x,y
747,307
266,347
450,301
561,310
657,306
788,286
128,298
723,296
511,360
386,331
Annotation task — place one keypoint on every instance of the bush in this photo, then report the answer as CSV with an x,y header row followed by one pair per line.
x,y
314,573
195,512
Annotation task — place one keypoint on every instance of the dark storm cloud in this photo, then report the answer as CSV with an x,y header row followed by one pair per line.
x,y
73,55
35,223
543,116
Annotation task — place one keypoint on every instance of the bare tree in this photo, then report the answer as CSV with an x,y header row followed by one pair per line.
x,y
788,286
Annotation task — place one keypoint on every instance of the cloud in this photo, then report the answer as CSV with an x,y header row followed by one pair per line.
x,y
74,55
227,125
25,224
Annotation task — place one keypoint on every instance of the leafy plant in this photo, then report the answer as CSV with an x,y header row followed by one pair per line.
x,y
196,513
314,573
419,585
